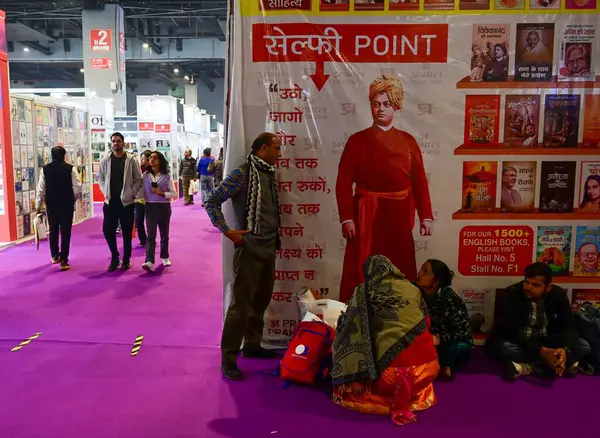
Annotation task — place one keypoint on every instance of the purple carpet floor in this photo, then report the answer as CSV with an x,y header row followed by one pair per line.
x,y
78,378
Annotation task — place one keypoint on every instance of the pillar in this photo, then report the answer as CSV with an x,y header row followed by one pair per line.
x,y
190,96
104,55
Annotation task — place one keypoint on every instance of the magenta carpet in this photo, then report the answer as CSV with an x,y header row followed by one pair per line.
x,y
79,380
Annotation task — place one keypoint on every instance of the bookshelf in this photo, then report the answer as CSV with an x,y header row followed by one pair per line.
x,y
497,214
501,150
466,84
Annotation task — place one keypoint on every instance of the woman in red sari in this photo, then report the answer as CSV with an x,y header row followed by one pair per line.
x,y
381,182
384,359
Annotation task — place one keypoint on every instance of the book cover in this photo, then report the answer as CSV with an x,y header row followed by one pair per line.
x,y
580,4
591,121
479,186
587,243
26,224
489,53
480,307
521,120
589,194
482,114
554,248
561,120
518,186
534,52
438,5
474,5
20,227
557,186
509,4
576,60
583,296
544,4
404,5
368,5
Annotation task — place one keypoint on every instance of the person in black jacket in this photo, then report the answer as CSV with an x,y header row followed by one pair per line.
x,y
535,331
59,186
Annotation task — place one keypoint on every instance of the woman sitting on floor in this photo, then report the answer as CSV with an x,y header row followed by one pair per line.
x,y
384,360
449,317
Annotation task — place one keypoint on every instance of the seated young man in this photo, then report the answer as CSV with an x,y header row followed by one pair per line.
x,y
535,331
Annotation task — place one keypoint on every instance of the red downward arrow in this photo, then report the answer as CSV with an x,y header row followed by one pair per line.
x,y
319,78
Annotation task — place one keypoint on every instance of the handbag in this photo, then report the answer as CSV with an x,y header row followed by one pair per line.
x,y
194,187
40,227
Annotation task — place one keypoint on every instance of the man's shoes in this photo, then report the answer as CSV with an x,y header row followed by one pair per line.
x,y
114,265
126,265
166,263
55,260
148,266
571,370
231,372
511,372
64,266
258,353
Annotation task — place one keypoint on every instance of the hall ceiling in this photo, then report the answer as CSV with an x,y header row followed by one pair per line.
x,y
154,20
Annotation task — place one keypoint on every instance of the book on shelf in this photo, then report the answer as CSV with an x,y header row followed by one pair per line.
x,y
589,191
561,120
587,244
479,186
482,120
557,186
534,52
554,248
544,4
582,296
515,5
517,186
521,120
577,49
591,121
490,52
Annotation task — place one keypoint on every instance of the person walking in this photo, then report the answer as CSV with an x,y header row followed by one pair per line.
x,y
59,186
159,190
206,170
188,172
140,203
253,193
120,180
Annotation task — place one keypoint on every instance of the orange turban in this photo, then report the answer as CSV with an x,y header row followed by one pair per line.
x,y
390,86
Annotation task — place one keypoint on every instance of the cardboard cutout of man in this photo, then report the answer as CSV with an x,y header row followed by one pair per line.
x,y
381,182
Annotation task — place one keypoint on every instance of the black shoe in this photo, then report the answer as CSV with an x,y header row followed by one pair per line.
x,y
231,372
64,266
571,371
55,260
258,353
114,265
510,372
126,265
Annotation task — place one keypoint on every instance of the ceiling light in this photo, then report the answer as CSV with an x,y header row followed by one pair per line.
x,y
26,49
186,77
81,70
175,70
145,45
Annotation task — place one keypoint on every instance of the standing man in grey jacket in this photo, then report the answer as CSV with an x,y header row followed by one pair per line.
x,y
188,172
255,234
120,179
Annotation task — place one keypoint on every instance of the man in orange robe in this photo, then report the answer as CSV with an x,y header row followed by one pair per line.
x,y
381,182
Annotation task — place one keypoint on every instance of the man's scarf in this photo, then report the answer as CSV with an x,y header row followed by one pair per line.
x,y
254,199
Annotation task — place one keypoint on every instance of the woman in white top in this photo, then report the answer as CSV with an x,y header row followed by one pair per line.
x,y
159,190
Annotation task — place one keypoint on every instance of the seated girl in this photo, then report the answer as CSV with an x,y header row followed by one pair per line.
x,y
449,317
384,360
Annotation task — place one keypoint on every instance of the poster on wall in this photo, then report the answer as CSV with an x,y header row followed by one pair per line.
x,y
393,129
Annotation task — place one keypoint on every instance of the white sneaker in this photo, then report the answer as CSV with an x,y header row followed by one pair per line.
x,y
166,263
148,267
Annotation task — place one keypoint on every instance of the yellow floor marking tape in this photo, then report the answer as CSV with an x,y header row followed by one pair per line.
x,y
137,345
27,341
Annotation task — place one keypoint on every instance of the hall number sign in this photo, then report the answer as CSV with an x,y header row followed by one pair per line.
x,y
101,40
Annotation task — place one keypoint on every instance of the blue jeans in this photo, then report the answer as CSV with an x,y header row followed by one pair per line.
x,y
454,355
514,353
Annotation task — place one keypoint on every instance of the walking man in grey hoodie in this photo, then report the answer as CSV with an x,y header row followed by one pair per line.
x,y
120,179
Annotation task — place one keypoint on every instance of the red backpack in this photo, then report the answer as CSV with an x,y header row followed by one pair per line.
x,y
309,353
